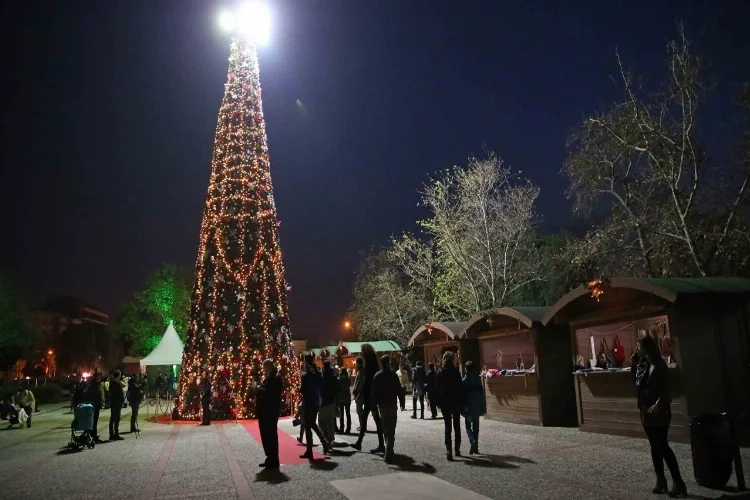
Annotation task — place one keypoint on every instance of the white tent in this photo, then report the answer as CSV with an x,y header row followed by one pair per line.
x,y
168,351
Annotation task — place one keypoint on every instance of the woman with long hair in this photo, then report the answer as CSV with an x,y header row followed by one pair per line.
x,y
652,383
359,381
451,399
371,368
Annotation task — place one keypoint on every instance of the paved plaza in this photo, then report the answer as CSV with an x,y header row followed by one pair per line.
x,y
221,462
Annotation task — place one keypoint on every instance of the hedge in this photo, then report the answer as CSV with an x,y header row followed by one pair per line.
x,y
44,394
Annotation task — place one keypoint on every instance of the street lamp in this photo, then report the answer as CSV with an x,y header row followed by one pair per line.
x,y
251,21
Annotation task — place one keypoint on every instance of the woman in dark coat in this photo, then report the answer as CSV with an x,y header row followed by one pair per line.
x,y
652,382
345,401
451,398
371,368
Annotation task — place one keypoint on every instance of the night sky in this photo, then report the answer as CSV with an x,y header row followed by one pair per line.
x,y
108,111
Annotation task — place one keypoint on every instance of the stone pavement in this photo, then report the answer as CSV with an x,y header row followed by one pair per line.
x,y
221,462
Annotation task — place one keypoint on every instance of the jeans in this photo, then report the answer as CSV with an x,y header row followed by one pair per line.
x,y
433,405
370,408
206,403
29,410
345,410
310,417
95,431
472,427
418,397
660,450
269,437
134,407
327,421
389,416
359,407
452,420
114,419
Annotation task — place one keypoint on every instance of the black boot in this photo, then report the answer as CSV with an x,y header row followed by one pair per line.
x,y
679,490
661,486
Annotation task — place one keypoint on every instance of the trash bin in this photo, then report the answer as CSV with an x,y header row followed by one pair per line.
x,y
713,448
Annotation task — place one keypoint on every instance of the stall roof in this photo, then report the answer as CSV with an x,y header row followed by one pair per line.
x,y
526,315
379,346
451,329
666,288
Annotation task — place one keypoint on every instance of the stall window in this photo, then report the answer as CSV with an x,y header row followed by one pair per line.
x,y
624,332
502,353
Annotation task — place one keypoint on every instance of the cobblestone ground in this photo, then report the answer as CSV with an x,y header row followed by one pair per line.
x,y
221,461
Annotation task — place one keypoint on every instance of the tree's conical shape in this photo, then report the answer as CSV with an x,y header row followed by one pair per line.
x,y
238,314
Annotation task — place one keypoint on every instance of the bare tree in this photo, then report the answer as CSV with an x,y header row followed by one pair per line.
x,y
642,158
481,217
385,306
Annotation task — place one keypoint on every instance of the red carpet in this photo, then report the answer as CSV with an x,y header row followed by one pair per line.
x,y
289,448
166,419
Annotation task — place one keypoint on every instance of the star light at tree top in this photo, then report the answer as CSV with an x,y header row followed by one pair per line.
x,y
238,314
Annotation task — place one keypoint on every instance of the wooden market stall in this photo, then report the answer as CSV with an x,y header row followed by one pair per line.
x,y
701,326
435,338
346,352
527,367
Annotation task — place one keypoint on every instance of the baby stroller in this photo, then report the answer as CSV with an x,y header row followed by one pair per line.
x,y
81,427
16,416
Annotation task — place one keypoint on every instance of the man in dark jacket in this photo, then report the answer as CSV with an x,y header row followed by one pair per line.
x,y
417,391
386,389
116,400
430,384
94,396
311,382
267,407
134,394
371,368
205,393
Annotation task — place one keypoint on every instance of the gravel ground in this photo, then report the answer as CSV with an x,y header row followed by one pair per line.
x,y
221,461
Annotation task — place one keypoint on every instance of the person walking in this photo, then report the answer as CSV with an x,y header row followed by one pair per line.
x,y
370,369
432,396
25,400
95,397
403,378
474,403
651,376
116,400
134,395
205,392
418,385
359,382
451,400
268,406
311,386
386,388
345,401
329,390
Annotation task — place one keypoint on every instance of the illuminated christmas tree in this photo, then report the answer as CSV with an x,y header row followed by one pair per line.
x,y
238,313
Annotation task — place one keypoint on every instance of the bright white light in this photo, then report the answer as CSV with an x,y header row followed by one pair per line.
x,y
226,21
251,20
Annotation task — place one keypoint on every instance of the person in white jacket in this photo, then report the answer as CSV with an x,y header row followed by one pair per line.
x,y
25,401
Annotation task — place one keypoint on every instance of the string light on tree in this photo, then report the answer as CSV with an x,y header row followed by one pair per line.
x,y
238,313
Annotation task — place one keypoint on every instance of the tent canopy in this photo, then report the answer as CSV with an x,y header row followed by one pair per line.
x,y
168,351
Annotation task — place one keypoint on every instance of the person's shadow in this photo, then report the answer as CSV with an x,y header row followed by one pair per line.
x,y
408,464
324,465
496,461
271,476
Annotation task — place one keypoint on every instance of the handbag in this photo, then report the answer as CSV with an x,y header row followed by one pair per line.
x,y
618,352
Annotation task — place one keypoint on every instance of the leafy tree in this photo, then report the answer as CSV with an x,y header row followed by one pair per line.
x,y
165,298
17,332
670,211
